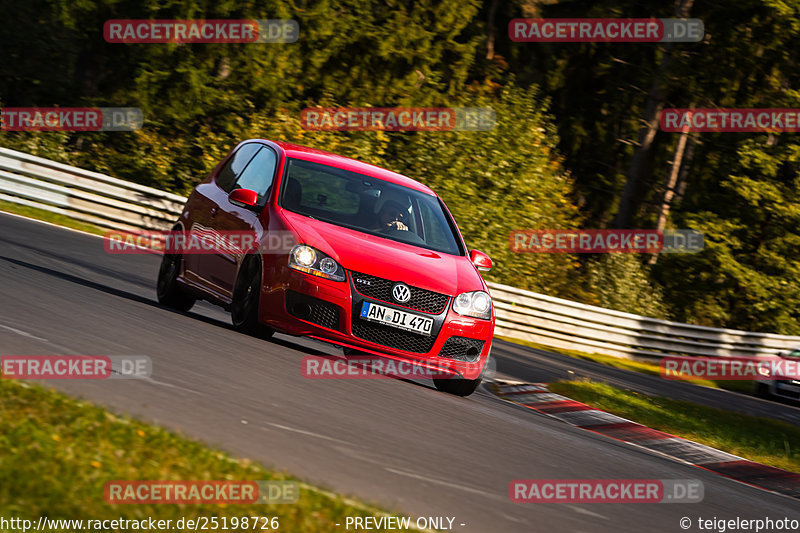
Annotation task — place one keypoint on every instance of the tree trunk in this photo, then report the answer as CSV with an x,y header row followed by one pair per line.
x,y
666,202
490,35
647,133
687,164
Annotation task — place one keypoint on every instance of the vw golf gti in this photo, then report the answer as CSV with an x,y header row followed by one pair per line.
x,y
345,252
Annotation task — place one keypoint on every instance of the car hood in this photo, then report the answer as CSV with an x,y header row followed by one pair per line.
x,y
385,258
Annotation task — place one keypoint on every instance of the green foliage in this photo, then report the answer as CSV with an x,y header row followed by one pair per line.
x,y
568,122
736,188
749,274
620,281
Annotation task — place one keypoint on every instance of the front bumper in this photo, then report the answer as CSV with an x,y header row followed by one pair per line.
x,y
329,310
789,389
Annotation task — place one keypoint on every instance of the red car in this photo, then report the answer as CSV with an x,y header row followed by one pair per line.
x,y
376,263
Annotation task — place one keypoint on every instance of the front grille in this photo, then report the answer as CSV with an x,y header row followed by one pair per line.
x,y
462,349
381,289
312,309
392,337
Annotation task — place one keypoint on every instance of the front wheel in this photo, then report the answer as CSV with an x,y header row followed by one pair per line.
x,y
168,291
246,296
465,387
762,389
457,386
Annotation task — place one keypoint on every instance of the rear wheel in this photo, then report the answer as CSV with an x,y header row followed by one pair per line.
x,y
168,291
246,296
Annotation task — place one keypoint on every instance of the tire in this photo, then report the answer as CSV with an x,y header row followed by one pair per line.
x,y
245,300
465,387
168,291
762,390
457,386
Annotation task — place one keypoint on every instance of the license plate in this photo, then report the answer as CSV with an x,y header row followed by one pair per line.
x,y
396,318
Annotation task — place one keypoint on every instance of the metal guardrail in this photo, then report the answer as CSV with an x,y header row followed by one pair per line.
x,y
116,204
83,195
560,323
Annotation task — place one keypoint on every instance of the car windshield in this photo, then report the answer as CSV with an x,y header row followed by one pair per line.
x,y
369,205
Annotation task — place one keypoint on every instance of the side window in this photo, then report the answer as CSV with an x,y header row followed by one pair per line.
x,y
433,223
235,165
259,173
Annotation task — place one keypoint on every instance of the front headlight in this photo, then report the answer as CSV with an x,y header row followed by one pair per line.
x,y
476,304
311,261
304,256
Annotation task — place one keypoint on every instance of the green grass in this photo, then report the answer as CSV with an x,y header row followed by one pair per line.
x,y
643,367
764,440
47,216
56,454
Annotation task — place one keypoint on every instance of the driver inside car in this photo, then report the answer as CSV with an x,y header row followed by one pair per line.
x,y
390,215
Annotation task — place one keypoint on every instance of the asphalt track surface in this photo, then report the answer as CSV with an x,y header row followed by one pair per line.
x,y
526,364
398,444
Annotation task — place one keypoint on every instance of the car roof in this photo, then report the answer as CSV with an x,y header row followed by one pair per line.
x,y
345,163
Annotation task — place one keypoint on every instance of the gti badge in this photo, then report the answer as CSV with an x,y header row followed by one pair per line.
x,y
401,293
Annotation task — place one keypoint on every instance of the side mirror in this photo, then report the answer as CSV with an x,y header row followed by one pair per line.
x,y
480,260
243,198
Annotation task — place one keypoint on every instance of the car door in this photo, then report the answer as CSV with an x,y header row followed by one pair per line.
x,y
221,268
207,200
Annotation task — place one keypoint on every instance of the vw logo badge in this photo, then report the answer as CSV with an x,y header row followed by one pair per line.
x,y
401,293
